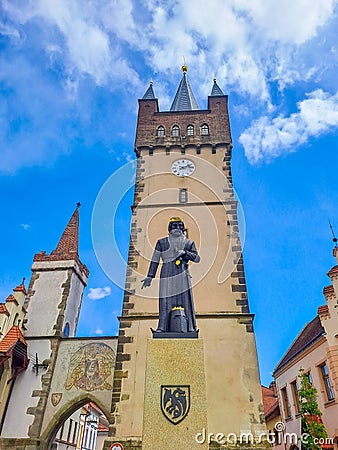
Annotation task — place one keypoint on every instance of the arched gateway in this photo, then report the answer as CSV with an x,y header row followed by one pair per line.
x,y
63,372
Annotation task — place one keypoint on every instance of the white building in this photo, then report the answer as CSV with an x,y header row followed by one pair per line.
x,y
315,350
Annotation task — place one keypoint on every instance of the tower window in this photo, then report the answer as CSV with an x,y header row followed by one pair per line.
x,y
66,330
190,130
175,132
160,131
183,197
204,130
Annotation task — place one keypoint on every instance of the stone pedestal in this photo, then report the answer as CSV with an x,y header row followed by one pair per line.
x,y
175,408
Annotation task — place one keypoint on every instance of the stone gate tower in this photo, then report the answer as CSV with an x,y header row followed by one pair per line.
x,y
183,169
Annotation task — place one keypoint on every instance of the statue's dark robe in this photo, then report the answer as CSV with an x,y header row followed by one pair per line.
x,y
175,280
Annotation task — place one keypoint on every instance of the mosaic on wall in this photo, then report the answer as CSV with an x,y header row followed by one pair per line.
x,y
91,368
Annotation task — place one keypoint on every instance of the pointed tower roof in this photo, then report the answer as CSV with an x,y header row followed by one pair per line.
x,y
184,99
216,90
149,94
68,245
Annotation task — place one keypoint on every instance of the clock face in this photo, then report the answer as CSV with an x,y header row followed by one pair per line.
x,y
183,167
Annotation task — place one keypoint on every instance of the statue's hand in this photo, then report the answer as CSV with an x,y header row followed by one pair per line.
x,y
181,253
146,282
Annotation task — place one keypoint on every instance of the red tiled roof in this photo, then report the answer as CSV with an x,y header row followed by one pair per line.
x,y
102,428
20,288
11,298
309,334
333,271
11,338
96,408
3,309
323,309
270,403
68,244
328,290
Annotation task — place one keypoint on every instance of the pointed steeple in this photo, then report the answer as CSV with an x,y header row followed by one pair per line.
x,y
149,94
68,245
216,90
184,99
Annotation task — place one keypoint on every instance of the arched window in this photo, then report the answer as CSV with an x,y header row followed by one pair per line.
x,y
175,131
66,330
190,130
160,131
204,130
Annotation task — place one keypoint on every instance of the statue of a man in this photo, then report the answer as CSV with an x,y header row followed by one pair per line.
x,y
175,280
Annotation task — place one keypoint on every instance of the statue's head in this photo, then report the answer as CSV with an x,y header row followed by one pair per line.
x,y
175,223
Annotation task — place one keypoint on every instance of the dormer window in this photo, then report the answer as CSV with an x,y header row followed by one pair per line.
x,y
175,131
204,130
190,130
160,131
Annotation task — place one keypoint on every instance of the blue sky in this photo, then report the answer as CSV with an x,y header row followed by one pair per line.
x,y
71,72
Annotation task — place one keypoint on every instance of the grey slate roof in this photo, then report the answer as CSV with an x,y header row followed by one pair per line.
x,y
216,90
184,99
309,334
149,95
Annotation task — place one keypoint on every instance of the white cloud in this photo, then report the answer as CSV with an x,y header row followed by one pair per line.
x,y
99,293
129,158
25,226
269,137
248,42
252,46
85,46
98,331
297,26
6,30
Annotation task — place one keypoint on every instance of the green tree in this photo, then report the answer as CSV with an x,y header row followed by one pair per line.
x,y
310,413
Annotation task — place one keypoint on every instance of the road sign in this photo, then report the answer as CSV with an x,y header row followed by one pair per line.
x,y
116,446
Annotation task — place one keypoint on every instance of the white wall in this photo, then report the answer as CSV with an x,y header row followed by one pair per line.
x,y
17,421
43,309
72,310
311,359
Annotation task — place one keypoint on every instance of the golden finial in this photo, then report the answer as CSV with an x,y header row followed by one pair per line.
x,y
151,82
214,79
184,67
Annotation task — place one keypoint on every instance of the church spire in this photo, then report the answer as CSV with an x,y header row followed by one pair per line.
x,y
216,90
68,245
184,99
149,94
